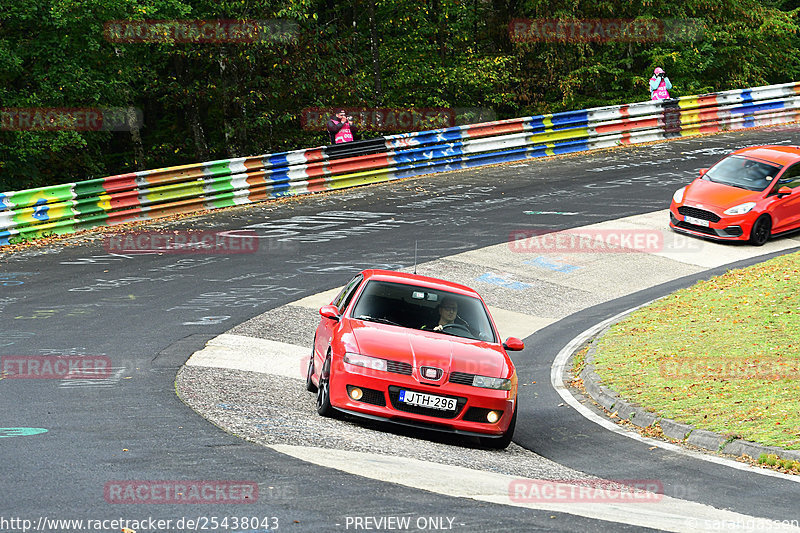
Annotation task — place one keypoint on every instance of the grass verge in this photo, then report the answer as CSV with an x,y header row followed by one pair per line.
x,y
722,355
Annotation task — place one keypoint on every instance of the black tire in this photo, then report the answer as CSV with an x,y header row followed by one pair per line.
x,y
324,407
310,387
502,442
761,230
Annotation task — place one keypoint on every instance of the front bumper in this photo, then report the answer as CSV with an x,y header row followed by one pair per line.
x,y
727,229
380,400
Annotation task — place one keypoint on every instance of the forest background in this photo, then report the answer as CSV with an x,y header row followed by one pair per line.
x,y
213,99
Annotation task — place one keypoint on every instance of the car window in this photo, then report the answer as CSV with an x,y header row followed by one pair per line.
x,y
346,294
790,178
743,173
415,307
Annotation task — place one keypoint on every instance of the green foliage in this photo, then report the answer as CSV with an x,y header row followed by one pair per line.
x,y
203,101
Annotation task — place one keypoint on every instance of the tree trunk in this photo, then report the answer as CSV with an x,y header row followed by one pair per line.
x,y
196,125
136,139
193,111
376,62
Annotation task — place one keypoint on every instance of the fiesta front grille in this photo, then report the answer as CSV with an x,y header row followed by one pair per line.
x,y
702,214
698,229
394,397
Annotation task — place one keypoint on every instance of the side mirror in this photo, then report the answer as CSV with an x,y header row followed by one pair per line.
x,y
514,344
784,191
703,171
329,311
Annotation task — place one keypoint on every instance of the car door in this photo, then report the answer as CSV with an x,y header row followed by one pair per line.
x,y
326,328
786,211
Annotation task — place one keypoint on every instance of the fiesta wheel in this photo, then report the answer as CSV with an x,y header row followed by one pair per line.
x,y
761,230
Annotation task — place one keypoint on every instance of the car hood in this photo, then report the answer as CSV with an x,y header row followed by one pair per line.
x,y
420,348
704,194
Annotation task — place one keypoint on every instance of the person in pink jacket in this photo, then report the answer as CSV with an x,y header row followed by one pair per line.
x,y
659,85
340,128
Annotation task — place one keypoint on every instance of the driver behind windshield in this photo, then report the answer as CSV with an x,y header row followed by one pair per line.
x,y
448,314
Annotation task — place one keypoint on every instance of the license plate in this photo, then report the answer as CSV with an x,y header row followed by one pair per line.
x,y
421,399
696,221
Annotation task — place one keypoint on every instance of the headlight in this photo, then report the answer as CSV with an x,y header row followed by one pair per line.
x,y
740,209
491,383
364,360
678,196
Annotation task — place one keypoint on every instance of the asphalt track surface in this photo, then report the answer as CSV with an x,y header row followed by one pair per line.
x,y
147,313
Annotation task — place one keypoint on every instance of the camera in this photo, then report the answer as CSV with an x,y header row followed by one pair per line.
x,y
662,74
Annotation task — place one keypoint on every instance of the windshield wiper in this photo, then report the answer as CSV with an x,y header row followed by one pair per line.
x,y
378,319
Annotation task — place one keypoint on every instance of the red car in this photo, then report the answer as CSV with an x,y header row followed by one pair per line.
x,y
751,195
417,351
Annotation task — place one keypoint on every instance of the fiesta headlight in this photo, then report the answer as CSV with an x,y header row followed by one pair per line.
x,y
740,209
366,361
486,382
678,196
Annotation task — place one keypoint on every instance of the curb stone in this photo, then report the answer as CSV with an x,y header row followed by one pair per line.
x,y
684,433
675,430
708,440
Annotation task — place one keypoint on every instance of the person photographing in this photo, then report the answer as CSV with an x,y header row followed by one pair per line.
x,y
659,85
340,128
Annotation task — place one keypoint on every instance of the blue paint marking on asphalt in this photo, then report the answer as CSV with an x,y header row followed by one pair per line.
x,y
550,264
496,279
20,432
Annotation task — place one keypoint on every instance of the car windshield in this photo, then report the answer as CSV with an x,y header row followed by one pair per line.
x,y
422,308
743,173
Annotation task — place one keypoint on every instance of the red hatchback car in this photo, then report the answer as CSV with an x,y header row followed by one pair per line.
x,y
416,351
750,195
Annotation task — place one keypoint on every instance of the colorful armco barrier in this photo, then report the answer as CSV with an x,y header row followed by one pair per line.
x,y
67,208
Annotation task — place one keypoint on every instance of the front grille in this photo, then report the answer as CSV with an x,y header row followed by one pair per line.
x,y
702,214
398,367
698,229
394,397
462,378
478,414
371,396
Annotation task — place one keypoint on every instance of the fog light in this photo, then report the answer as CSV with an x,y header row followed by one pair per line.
x,y
356,393
492,416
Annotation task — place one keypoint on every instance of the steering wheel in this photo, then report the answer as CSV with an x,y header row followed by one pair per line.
x,y
459,326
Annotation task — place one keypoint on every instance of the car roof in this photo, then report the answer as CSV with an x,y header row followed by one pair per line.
x,y
782,155
416,279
